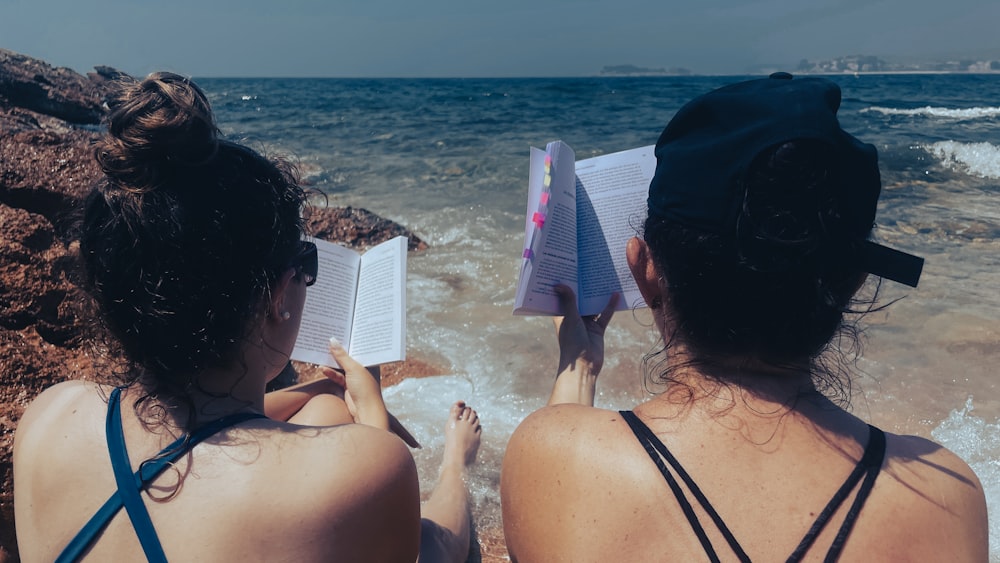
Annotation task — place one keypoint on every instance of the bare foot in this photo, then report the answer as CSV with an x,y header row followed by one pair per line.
x,y
461,437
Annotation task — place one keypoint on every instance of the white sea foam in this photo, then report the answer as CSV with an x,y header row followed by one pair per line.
x,y
977,441
938,112
975,159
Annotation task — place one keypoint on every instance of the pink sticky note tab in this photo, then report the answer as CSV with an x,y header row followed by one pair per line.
x,y
548,160
544,199
528,253
538,219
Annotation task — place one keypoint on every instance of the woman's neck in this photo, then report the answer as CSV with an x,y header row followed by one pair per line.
x,y
727,386
212,394
754,400
227,391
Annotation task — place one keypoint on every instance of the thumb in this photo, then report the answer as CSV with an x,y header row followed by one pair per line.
x,y
341,356
609,310
567,300
364,388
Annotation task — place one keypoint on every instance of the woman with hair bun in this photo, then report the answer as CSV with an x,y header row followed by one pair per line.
x,y
755,246
192,248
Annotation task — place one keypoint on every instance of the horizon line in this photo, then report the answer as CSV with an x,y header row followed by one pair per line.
x,y
596,75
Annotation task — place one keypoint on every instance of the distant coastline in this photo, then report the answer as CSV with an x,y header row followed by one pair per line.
x,y
881,72
846,65
632,70
871,64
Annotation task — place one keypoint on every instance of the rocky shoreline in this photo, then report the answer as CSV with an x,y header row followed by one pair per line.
x,y
49,118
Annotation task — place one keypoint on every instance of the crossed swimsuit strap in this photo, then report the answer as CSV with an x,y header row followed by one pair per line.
x,y
868,467
131,484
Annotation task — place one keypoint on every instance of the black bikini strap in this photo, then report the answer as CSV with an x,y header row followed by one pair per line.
x,y
869,467
650,442
876,447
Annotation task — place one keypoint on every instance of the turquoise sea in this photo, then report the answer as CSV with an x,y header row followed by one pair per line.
x,y
448,159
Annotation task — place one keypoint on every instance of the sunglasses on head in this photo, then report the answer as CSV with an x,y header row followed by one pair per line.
x,y
306,262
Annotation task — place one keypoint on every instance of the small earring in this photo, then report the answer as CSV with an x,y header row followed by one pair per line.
x,y
285,315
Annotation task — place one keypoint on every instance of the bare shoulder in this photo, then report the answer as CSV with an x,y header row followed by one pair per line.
x,y
930,466
67,392
557,422
55,407
557,472
54,425
940,495
369,449
357,449
363,480
561,433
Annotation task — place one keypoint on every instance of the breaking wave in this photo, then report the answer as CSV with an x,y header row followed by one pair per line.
x,y
976,159
945,113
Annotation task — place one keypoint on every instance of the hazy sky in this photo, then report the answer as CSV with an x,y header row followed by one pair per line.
x,y
480,38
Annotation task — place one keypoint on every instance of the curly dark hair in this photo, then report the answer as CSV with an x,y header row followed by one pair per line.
x,y
776,288
185,234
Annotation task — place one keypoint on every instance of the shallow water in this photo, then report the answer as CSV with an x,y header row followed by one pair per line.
x,y
448,159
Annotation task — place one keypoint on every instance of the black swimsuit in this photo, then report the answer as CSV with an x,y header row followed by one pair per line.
x,y
868,467
131,484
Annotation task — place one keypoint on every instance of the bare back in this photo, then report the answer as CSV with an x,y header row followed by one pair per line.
x,y
261,490
578,486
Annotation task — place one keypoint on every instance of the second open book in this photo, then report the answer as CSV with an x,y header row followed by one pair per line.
x,y
358,298
580,217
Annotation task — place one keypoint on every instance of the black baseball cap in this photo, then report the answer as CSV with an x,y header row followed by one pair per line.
x,y
707,147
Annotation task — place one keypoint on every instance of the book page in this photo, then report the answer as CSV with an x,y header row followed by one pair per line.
x,y
537,170
329,305
379,333
550,233
611,208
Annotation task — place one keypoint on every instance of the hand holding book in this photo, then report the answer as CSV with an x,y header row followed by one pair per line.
x,y
581,349
365,403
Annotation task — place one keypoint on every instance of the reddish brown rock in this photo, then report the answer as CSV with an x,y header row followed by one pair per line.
x,y
42,330
37,289
356,227
47,173
59,92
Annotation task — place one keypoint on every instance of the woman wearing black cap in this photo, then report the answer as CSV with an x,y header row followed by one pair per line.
x,y
754,249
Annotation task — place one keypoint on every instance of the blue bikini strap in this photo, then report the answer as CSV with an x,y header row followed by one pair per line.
x,y
130,484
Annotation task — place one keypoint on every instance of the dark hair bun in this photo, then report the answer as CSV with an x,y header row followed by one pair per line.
x,y
156,127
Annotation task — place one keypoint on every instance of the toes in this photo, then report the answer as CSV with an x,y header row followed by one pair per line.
x,y
462,413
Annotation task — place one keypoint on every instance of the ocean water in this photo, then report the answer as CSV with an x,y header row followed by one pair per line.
x,y
448,158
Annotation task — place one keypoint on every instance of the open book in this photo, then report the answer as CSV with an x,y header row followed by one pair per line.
x,y
580,217
361,300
